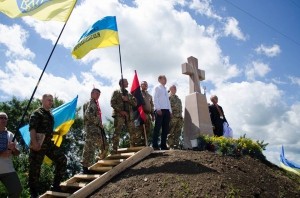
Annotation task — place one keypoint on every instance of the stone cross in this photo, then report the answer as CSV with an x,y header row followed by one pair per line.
x,y
196,75
196,114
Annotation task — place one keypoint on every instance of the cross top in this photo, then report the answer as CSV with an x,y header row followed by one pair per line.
x,y
196,75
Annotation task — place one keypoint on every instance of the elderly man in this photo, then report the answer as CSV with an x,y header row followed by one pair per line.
x,y
8,148
148,108
217,116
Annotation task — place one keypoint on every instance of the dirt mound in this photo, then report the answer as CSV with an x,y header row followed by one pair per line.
x,y
185,173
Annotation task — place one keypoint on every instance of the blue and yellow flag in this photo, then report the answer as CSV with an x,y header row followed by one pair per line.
x,y
288,165
45,10
103,33
64,117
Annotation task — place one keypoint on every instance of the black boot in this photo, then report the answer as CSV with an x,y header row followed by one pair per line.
x,y
33,194
85,170
56,185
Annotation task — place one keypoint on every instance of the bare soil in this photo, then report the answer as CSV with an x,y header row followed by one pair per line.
x,y
186,173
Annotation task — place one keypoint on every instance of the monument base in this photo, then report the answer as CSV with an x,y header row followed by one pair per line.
x,y
196,119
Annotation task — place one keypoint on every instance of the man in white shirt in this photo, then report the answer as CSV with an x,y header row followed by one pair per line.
x,y
8,175
163,113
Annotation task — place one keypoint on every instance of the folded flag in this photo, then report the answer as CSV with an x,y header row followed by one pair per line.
x,y
136,92
45,10
64,117
288,165
103,33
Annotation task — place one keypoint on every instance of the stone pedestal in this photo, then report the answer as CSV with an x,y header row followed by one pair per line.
x,y
196,118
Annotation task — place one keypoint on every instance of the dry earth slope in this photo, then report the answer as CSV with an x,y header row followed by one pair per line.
x,y
186,173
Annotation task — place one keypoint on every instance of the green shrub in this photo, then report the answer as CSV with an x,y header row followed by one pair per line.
x,y
232,147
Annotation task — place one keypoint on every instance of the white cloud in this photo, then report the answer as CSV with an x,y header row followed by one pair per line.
x,y
269,51
295,80
18,77
14,37
204,7
256,69
163,39
232,28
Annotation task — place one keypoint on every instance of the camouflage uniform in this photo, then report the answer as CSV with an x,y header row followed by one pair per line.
x,y
43,122
95,136
118,105
176,122
149,112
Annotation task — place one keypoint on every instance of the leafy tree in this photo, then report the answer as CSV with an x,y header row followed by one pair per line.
x,y
73,145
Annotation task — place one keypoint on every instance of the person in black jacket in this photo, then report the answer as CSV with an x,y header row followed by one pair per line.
x,y
217,116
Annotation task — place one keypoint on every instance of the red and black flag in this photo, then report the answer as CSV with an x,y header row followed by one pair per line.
x,y
136,92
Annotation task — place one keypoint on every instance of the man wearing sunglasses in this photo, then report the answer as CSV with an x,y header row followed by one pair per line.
x,y
8,175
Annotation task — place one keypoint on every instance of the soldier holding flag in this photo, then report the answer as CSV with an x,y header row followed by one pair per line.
x,y
95,135
148,109
122,103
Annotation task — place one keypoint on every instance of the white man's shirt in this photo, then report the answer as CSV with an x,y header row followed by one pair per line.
x,y
161,98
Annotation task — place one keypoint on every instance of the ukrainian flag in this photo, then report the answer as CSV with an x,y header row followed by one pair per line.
x,y
288,165
103,33
64,117
45,10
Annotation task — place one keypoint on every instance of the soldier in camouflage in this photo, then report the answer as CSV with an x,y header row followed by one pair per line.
x,y
176,121
149,112
41,123
94,134
122,103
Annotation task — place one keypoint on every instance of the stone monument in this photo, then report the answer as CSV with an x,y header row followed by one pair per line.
x,y
196,115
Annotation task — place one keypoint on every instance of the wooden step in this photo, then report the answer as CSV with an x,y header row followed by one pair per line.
x,y
86,176
112,162
131,149
101,168
77,181
52,194
120,156
74,185
97,183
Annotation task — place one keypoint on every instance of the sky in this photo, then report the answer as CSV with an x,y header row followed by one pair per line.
x,y
249,51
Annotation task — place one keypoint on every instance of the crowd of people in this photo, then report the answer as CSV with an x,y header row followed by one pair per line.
x,y
164,108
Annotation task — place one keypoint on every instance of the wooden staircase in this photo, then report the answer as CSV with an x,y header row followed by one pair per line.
x,y
82,185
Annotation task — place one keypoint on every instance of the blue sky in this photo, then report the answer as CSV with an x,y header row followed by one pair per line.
x,y
248,49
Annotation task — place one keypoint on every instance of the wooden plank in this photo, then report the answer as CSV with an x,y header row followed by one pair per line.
x,y
87,177
111,162
74,185
71,180
50,194
130,149
120,155
97,183
101,169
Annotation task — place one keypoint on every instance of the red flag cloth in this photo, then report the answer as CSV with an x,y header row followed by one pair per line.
x,y
136,92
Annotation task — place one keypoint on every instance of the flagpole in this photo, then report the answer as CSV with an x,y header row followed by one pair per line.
x,y
146,140
30,100
122,84
121,66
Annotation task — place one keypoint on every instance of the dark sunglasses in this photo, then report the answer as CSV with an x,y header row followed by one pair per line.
x,y
3,118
